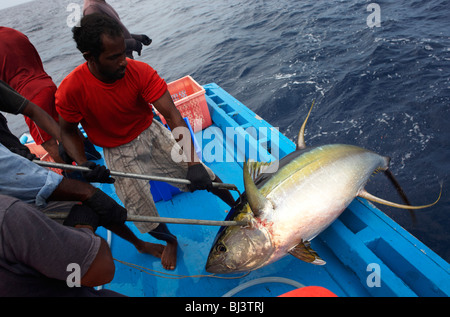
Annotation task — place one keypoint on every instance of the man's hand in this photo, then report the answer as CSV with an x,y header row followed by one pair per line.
x,y
97,174
108,209
199,178
145,40
81,215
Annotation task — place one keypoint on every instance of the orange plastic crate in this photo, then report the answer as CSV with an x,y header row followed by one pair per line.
x,y
189,98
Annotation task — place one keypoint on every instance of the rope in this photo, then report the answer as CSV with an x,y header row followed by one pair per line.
x,y
172,276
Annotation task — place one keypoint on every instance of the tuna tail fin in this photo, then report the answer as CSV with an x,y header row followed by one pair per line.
x,y
366,195
301,134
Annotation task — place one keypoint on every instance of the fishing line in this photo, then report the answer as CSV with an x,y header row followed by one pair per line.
x,y
172,276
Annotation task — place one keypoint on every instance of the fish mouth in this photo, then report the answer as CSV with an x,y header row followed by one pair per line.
x,y
217,264
221,268
218,269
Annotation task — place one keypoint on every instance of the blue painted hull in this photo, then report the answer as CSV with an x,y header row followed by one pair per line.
x,y
367,253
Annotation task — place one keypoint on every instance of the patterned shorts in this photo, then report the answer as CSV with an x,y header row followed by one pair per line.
x,y
150,154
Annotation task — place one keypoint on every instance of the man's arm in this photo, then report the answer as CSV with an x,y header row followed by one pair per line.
x,y
109,211
196,173
174,120
72,190
57,245
102,269
72,141
42,119
26,180
74,145
12,102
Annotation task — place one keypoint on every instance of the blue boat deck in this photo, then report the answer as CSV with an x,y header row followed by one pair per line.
x,y
361,243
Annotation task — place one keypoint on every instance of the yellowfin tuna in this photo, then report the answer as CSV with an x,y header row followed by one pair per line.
x,y
288,208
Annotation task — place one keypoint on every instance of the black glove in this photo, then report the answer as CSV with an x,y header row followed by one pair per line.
x,y
145,40
97,174
82,215
108,209
199,178
24,152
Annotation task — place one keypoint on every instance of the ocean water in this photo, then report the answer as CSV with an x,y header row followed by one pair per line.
x,y
385,87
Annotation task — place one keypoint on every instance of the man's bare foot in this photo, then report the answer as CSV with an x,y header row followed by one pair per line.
x,y
154,249
169,256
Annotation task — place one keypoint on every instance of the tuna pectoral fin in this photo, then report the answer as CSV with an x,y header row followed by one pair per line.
x,y
304,252
370,197
255,199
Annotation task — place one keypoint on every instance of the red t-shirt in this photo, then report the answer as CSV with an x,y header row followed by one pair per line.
x,y
111,114
20,64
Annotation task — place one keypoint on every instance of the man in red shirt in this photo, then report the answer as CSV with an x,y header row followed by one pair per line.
x,y
111,97
21,67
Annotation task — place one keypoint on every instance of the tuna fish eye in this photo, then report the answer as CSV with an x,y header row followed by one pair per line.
x,y
221,248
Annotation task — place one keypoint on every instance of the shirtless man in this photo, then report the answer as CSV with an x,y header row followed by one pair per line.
x,y
133,42
110,96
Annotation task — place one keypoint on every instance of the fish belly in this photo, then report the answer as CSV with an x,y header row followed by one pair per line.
x,y
308,201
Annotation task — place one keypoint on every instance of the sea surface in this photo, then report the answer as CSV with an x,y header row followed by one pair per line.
x,y
382,84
